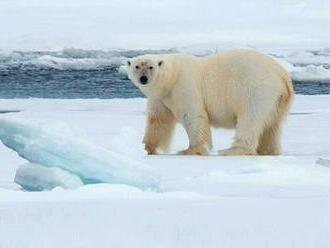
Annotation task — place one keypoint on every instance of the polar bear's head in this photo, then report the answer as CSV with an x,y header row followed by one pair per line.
x,y
150,74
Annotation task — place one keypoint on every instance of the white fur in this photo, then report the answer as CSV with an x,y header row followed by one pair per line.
x,y
239,89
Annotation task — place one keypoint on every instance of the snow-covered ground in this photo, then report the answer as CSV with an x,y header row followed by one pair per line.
x,y
208,201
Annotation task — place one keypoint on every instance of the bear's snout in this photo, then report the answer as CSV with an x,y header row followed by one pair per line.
x,y
143,79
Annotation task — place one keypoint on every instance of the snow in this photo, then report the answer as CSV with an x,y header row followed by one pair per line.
x,y
263,201
66,59
303,57
311,73
166,222
306,73
58,63
304,65
324,162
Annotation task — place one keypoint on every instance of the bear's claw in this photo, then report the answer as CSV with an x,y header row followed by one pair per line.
x,y
151,150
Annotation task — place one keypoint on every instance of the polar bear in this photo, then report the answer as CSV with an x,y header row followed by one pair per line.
x,y
240,89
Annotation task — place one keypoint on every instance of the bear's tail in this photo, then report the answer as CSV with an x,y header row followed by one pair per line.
x,y
286,98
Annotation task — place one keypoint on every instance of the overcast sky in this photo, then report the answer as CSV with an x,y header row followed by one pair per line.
x,y
100,24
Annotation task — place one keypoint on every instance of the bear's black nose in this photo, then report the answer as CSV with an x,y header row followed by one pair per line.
x,y
143,80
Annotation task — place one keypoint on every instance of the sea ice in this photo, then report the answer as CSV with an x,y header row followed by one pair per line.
x,y
92,163
323,162
34,177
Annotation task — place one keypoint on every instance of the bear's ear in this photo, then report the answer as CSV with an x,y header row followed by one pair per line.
x,y
160,63
128,62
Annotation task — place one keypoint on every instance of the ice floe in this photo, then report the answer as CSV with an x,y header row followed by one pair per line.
x,y
92,163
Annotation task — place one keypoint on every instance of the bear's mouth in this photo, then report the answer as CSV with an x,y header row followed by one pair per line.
x,y
143,79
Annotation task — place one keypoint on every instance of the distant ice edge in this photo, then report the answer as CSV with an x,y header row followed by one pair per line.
x,y
302,64
44,147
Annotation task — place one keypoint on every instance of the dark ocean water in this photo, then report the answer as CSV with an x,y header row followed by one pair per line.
x,y
53,83
83,74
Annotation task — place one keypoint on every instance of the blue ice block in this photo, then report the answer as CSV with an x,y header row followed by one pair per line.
x,y
34,177
92,163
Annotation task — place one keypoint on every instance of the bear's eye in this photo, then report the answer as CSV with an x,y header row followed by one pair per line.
x,y
137,67
150,67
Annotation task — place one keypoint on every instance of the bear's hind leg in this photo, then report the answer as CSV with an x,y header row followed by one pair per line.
x,y
270,140
248,130
254,115
244,144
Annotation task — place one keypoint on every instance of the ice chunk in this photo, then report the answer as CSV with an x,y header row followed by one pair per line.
x,y
60,63
34,177
311,73
92,163
323,162
306,73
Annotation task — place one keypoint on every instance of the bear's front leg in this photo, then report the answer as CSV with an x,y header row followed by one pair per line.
x,y
159,128
199,134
